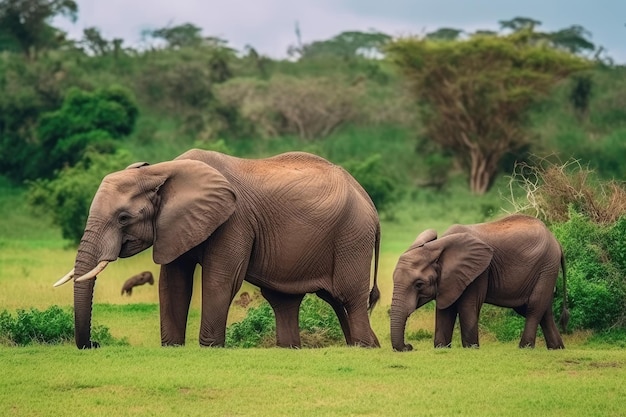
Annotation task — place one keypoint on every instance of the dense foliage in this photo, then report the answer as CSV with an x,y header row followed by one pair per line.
x,y
596,272
318,326
66,198
476,93
51,326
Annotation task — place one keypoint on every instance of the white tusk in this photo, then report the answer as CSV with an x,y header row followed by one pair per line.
x,y
92,274
65,278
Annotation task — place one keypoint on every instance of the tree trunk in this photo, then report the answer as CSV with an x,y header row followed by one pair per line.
x,y
482,172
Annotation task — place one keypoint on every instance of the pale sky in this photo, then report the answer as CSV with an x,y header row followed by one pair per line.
x,y
269,25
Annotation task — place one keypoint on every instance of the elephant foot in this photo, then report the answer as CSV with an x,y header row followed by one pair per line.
x,y
91,345
556,347
211,344
406,348
370,345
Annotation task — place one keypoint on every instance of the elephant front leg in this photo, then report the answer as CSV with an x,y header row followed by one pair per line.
x,y
286,309
444,325
468,321
216,300
175,288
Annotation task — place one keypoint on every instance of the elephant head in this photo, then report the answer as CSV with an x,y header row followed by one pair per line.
x,y
434,269
173,206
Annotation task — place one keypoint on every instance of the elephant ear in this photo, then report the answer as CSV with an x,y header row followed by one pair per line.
x,y
137,165
195,199
426,236
462,258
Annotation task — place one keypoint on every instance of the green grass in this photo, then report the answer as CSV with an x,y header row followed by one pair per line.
x,y
497,380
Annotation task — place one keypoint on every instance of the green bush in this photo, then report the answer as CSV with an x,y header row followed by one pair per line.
x,y
85,120
52,326
66,199
257,326
380,186
504,324
596,279
419,335
319,326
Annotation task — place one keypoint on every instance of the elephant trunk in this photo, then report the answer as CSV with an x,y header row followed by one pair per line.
x,y
86,260
398,317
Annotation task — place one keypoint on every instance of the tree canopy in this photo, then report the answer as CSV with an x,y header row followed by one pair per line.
x,y
25,24
476,92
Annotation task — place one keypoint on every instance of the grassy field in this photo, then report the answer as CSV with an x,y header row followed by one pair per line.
x,y
144,379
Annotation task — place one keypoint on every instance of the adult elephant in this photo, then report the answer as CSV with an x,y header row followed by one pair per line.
x,y
513,262
290,224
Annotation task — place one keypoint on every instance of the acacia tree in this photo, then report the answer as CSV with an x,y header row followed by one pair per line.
x,y
475,93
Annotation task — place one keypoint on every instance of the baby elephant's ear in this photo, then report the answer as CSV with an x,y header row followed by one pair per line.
x,y
137,165
462,258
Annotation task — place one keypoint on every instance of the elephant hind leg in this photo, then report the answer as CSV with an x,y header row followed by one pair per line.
x,y
286,309
550,331
360,330
340,311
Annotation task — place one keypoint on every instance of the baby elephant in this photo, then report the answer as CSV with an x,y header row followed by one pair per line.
x,y
136,280
513,262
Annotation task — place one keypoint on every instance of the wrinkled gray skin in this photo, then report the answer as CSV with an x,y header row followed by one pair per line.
x,y
137,280
291,224
513,262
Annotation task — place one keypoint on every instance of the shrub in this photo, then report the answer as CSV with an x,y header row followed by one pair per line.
x,y
595,279
84,120
551,190
319,326
419,335
380,186
66,199
52,326
504,324
254,329
311,108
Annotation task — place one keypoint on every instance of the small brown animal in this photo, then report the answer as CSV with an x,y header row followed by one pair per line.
x,y
136,280
244,299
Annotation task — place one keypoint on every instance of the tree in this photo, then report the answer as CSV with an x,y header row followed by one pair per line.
x,y
574,39
179,36
444,34
475,93
94,41
85,120
346,45
24,23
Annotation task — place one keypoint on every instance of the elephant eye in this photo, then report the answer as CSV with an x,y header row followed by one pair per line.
x,y
419,285
124,218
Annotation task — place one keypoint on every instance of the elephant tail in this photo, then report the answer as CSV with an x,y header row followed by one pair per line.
x,y
375,293
564,319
